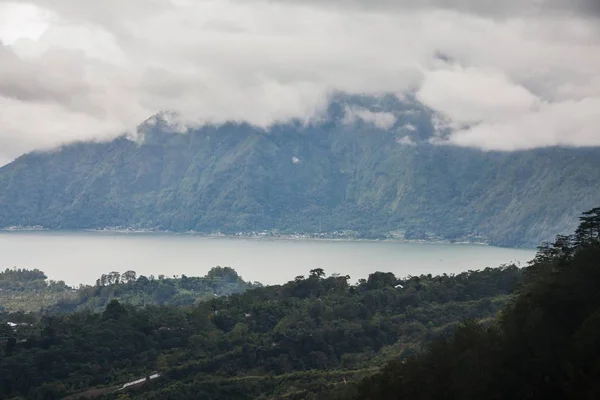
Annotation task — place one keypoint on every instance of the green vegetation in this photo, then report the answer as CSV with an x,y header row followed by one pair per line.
x,y
500,333
29,290
546,344
327,177
24,290
275,342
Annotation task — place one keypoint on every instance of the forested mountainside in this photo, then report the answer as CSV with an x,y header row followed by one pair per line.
x,y
333,175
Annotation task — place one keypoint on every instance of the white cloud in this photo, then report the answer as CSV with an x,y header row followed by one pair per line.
x,y
405,141
100,68
382,120
471,95
568,123
21,20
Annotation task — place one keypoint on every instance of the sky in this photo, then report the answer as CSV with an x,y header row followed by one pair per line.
x,y
505,75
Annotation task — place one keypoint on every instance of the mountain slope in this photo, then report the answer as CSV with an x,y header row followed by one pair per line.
x,y
294,178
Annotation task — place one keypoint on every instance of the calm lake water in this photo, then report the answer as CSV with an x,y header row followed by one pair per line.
x,y
82,257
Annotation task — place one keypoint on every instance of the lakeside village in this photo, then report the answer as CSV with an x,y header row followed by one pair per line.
x,y
344,234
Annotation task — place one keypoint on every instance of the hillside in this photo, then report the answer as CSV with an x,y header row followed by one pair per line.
x,y
273,341
23,290
544,346
328,176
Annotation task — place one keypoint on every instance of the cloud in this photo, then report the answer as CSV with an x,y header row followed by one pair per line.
x,y
382,120
100,68
568,123
18,20
471,95
487,8
405,141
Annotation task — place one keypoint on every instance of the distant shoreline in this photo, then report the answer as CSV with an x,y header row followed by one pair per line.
x,y
326,237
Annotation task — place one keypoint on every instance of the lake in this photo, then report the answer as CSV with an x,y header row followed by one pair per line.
x,y
81,257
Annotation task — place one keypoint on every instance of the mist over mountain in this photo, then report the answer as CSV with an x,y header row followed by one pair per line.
x,y
369,165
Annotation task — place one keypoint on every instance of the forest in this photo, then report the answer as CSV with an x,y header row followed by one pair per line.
x,y
544,345
280,339
498,333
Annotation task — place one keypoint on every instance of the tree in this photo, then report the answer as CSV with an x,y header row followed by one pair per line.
x,y
226,274
317,273
115,277
588,232
114,310
379,280
562,250
128,276
9,347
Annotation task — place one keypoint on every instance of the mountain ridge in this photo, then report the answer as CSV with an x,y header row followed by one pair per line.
x,y
321,177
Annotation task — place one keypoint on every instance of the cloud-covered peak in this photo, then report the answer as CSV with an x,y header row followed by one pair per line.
x,y
503,75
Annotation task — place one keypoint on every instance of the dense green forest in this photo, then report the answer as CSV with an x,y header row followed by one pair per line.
x,y
327,177
546,344
273,341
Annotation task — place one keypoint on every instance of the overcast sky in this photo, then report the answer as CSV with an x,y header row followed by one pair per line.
x,y
519,73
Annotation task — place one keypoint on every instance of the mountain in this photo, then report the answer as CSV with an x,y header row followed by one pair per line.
x,y
367,166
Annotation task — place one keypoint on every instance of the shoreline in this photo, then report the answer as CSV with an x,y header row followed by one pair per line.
x,y
317,237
